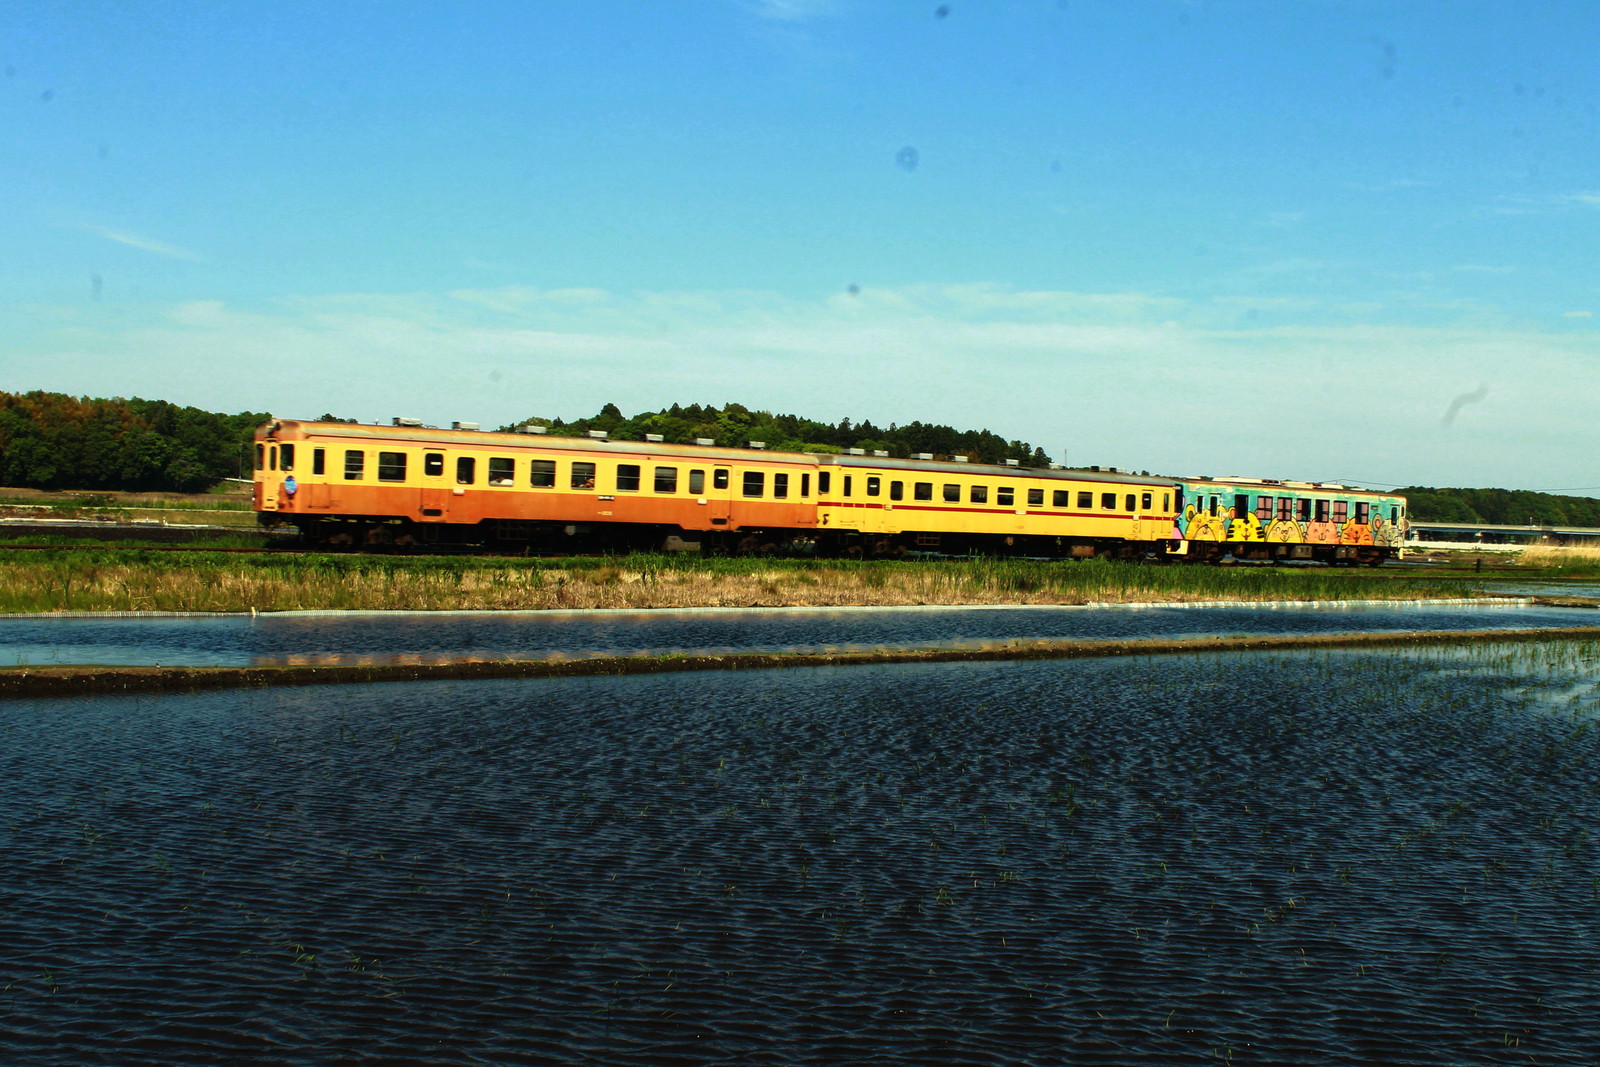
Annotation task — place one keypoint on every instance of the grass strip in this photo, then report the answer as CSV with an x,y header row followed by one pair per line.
x,y
38,581
19,682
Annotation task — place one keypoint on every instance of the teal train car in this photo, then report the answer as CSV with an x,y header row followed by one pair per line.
x,y
1266,519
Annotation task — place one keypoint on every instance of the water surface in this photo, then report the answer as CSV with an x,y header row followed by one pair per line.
x,y
1291,858
421,636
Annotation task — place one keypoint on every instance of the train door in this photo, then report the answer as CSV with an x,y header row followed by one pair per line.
x,y
435,495
719,498
267,477
319,493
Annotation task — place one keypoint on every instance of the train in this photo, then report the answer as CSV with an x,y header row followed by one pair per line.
x,y
411,486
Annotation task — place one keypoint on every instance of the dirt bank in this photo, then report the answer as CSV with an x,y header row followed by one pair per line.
x,y
74,681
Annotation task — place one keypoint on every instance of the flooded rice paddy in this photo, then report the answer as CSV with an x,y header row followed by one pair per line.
x,y
383,637
1284,858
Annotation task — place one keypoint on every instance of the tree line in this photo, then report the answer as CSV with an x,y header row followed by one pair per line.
x,y
1500,507
734,426
55,441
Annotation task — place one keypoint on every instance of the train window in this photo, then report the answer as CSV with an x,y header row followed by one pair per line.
x,y
582,475
433,463
1341,511
1361,512
754,483
1322,511
272,457
1166,501
355,462
1061,498
391,466
979,494
719,480
261,457
952,492
466,470
319,461
1108,501
848,480
1036,498
922,490
897,490
1127,503
1394,514
873,484
1241,504
1214,501
542,473
666,479
286,457
1085,500
502,470
1005,496
627,477
1145,501
697,482
1304,509
805,485
780,486
1264,508
1285,507
824,478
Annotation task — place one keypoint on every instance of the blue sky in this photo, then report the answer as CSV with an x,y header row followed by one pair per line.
x,y
1292,238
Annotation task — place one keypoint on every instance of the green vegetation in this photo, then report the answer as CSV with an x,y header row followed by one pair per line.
x,y
1501,507
55,441
131,580
734,425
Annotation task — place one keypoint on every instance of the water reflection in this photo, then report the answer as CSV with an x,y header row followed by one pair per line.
x,y
327,639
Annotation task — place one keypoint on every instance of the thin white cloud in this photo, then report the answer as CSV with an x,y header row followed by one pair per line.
x,y
1585,199
146,244
1128,379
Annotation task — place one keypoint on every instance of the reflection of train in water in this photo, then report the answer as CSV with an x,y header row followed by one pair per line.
x,y
347,484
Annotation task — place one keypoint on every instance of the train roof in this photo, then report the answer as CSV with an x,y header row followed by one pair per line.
x,y
990,470
427,435
1237,482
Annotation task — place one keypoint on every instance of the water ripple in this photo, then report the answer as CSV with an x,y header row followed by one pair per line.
x,y
1295,858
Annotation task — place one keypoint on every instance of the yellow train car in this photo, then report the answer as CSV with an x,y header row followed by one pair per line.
x,y
343,483
884,506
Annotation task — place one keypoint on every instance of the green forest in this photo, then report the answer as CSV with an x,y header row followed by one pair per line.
x,y
733,425
56,441
1502,507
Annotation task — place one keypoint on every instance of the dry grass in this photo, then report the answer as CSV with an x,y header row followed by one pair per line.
x,y
1562,557
132,581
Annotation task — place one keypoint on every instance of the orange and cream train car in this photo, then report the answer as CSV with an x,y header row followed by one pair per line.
x,y
343,483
